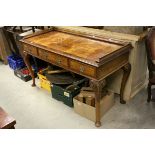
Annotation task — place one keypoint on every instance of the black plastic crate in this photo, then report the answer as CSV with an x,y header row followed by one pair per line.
x,y
25,77
61,93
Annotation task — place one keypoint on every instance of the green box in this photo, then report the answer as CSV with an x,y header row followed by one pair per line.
x,y
60,93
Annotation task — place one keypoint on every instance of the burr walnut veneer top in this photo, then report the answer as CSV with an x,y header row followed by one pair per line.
x,y
74,45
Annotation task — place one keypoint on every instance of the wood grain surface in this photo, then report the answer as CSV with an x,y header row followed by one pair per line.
x,y
6,121
74,45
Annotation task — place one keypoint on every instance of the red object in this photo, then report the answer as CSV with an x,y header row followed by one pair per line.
x,y
25,71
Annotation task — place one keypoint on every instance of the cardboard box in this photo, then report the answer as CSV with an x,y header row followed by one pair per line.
x,y
89,112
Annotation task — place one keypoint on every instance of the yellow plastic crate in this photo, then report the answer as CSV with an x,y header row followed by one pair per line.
x,y
44,83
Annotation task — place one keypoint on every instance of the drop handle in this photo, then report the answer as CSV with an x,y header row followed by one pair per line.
x,y
59,61
81,69
29,49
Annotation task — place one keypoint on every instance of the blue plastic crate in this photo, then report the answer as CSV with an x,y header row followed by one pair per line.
x,y
15,62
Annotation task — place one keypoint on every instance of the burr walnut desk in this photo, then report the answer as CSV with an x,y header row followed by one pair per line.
x,y
90,56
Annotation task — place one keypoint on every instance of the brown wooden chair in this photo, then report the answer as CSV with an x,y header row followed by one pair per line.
x,y
150,48
6,121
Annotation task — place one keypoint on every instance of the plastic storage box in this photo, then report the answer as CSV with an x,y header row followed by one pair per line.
x,y
23,74
44,83
60,93
15,62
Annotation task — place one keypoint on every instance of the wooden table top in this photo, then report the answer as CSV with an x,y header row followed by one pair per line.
x,y
74,45
6,121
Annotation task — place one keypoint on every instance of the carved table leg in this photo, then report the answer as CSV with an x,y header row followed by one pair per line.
x,y
26,59
149,92
126,73
97,87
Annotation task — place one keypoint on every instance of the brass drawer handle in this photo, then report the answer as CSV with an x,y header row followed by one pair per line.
x,y
59,61
81,69
25,47
46,57
29,51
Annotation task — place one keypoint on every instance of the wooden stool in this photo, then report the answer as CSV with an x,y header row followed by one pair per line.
x,y
6,121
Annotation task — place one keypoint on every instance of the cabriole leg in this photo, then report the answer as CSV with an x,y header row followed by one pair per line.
x,y
97,87
149,92
126,73
27,62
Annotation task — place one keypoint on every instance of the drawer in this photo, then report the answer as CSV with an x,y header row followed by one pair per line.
x,y
58,60
30,49
43,54
53,58
83,68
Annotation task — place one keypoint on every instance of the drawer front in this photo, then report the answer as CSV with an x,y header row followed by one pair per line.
x,y
43,54
58,60
30,49
83,68
53,58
